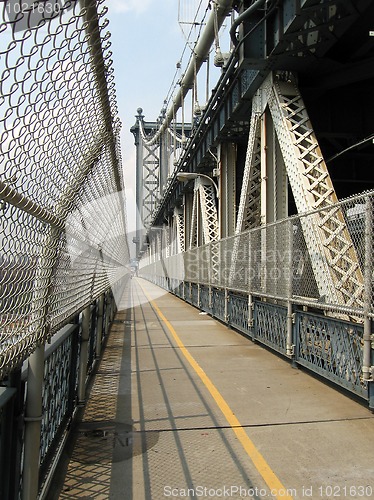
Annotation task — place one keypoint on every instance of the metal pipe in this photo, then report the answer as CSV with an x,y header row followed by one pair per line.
x,y
98,67
18,200
243,16
201,52
100,316
33,420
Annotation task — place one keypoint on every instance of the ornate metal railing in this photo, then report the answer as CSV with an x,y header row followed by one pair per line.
x,y
269,292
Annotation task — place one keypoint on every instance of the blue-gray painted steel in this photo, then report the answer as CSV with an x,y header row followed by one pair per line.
x,y
56,394
329,347
93,337
204,299
238,313
270,325
218,304
59,400
195,295
332,348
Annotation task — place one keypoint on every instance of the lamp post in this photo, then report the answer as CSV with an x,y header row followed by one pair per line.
x,y
189,176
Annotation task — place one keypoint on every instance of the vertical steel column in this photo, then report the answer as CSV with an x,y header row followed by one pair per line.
x,y
164,161
264,173
139,184
33,420
187,215
249,214
227,190
86,315
273,173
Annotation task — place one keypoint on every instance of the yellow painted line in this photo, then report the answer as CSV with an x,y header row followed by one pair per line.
x,y
276,487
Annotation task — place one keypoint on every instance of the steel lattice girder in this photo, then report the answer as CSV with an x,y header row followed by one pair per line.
x,y
180,229
151,185
204,195
193,229
249,206
204,198
208,210
333,255
250,197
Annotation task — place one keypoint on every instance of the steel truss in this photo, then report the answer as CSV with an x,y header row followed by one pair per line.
x,y
205,200
151,184
335,263
336,270
208,210
204,204
250,196
180,229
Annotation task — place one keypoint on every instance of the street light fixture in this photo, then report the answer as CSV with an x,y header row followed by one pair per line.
x,y
189,176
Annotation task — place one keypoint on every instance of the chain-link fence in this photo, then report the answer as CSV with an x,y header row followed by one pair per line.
x,y
275,261
62,221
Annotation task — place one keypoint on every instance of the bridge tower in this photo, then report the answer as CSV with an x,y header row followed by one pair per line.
x,y
155,161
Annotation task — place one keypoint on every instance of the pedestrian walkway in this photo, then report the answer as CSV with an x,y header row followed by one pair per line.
x,y
183,407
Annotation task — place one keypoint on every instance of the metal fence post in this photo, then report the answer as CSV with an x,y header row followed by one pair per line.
x,y
100,315
33,419
368,269
12,440
73,375
8,441
112,306
250,315
290,349
83,359
227,299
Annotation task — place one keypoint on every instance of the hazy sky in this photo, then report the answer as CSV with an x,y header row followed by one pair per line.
x,y
147,43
